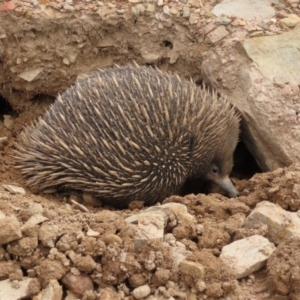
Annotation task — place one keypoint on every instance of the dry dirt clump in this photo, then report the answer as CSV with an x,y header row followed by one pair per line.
x,y
90,252
281,186
284,269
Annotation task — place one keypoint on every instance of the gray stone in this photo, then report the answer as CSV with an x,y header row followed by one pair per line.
x,y
150,227
277,55
31,75
141,291
217,35
282,224
290,21
14,189
186,12
10,230
245,9
8,290
150,58
8,122
223,20
247,255
52,292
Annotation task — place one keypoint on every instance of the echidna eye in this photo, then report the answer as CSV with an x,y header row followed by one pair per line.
x,y
215,169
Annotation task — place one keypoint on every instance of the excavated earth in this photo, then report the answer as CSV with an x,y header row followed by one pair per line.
x,y
90,250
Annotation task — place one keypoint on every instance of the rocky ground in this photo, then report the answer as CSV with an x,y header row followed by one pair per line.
x,y
192,247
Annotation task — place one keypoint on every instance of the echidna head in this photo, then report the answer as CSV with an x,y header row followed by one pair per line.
x,y
218,174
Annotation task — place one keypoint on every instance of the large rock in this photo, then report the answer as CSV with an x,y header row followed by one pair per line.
x,y
245,9
261,77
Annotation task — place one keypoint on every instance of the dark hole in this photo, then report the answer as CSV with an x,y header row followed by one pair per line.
x,y
245,165
5,107
167,44
297,113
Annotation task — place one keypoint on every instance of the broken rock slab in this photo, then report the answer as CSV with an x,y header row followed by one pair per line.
x,y
247,255
178,251
282,224
9,291
262,81
10,230
14,189
277,56
52,292
245,9
150,227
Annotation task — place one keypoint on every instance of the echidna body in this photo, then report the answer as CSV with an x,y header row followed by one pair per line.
x,y
130,133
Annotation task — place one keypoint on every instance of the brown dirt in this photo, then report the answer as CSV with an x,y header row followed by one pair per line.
x,y
109,264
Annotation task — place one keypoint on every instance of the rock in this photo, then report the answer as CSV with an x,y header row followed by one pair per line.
x,y
149,7
223,20
174,55
66,61
85,263
52,292
247,255
55,271
271,129
245,9
34,220
160,277
2,215
173,11
150,227
186,12
217,35
31,75
194,18
90,199
78,284
109,238
209,28
183,223
48,234
275,55
191,271
71,296
150,58
282,224
290,21
10,230
92,232
7,6
141,291
14,189
166,9
3,141
8,122
9,291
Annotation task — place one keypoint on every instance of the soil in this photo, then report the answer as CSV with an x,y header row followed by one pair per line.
x,y
90,250
95,248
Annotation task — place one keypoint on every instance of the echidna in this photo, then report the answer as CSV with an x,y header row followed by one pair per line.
x,y
131,133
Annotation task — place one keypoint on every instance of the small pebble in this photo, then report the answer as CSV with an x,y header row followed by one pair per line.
x,y
166,9
186,12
